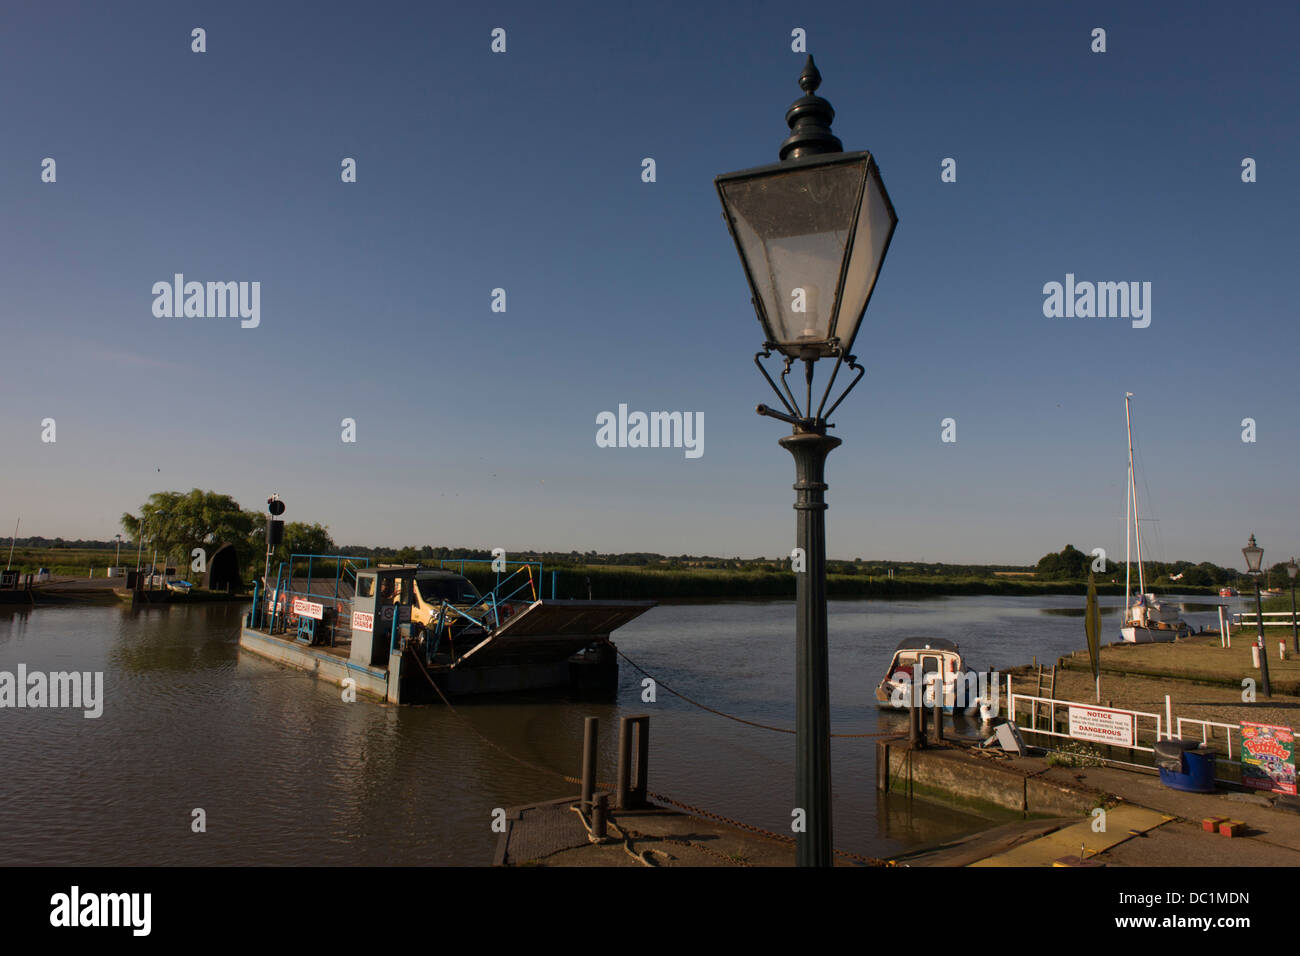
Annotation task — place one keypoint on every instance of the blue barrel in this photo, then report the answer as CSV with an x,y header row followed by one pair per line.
x,y
1186,765
1200,770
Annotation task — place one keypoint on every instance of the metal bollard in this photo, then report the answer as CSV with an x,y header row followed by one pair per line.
x,y
589,734
624,764
599,815
913,724
627,794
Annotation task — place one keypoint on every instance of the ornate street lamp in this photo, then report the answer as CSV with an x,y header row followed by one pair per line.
x,y
812,231
1291,570
1254,556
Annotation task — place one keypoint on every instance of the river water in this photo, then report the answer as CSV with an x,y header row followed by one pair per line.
x,y
285,772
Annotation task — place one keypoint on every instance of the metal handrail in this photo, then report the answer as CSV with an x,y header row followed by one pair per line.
x,y
1244,618
1205,739
1052,705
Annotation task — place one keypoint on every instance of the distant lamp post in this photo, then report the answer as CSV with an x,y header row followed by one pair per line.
x,y
812,231
117,558
1254,556
1291,570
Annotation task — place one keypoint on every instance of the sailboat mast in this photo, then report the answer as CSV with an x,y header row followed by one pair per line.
x,y
1128,537
1132,480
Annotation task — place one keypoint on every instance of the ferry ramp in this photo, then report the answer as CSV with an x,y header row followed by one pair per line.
x,y
552,630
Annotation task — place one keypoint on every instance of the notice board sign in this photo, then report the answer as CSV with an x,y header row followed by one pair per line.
x,y
304,608
1103,726
363,621
1268,757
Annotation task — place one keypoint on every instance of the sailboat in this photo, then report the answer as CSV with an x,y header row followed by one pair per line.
x,y
1146,619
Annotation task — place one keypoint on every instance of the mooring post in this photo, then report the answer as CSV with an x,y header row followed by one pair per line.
x,y
628,794
938,712
589,733
599,814
623,779
640,792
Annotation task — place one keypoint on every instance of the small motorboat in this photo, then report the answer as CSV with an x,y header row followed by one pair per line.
x,y
908,676
1228,592
179,587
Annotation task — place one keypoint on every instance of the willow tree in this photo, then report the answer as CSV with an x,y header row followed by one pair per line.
x,y
176,522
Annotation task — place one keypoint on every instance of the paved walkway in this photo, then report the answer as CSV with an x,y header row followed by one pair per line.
x,y
1147,824
551,834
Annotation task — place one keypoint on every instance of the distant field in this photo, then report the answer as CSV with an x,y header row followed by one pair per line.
x,y
631,582
66,561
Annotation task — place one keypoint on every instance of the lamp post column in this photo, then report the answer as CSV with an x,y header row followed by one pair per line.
x,y
812,665
1263,650
1295,629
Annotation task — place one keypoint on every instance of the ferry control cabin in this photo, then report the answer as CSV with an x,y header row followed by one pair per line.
x,y
404,633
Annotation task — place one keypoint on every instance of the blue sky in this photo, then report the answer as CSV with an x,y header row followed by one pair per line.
x,y
522,171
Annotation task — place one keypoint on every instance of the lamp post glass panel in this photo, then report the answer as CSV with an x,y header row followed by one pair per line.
x,y
812,231
1254,556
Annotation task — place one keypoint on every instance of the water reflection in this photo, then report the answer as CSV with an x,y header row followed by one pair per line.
x,y
289,773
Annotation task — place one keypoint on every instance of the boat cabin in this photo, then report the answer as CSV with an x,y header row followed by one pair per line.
x,y
385,592
919,656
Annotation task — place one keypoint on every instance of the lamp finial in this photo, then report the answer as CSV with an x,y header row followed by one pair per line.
x,y
809,119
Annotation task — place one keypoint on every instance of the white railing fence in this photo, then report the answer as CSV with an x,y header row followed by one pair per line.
x,y
1045,711
1209,736
1043,716
1271,619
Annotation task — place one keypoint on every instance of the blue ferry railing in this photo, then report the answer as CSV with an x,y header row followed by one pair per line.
x,y
516,586
345,567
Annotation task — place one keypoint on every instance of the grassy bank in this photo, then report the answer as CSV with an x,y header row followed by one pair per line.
x,y
630,584
70,562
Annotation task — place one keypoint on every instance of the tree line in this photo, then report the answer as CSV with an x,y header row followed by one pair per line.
x,y
1071,564
176,522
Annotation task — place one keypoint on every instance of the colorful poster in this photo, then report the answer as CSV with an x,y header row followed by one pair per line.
x,y
1268,757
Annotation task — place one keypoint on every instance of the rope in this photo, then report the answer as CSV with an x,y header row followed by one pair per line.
x,y
688,808
626,837
739,720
